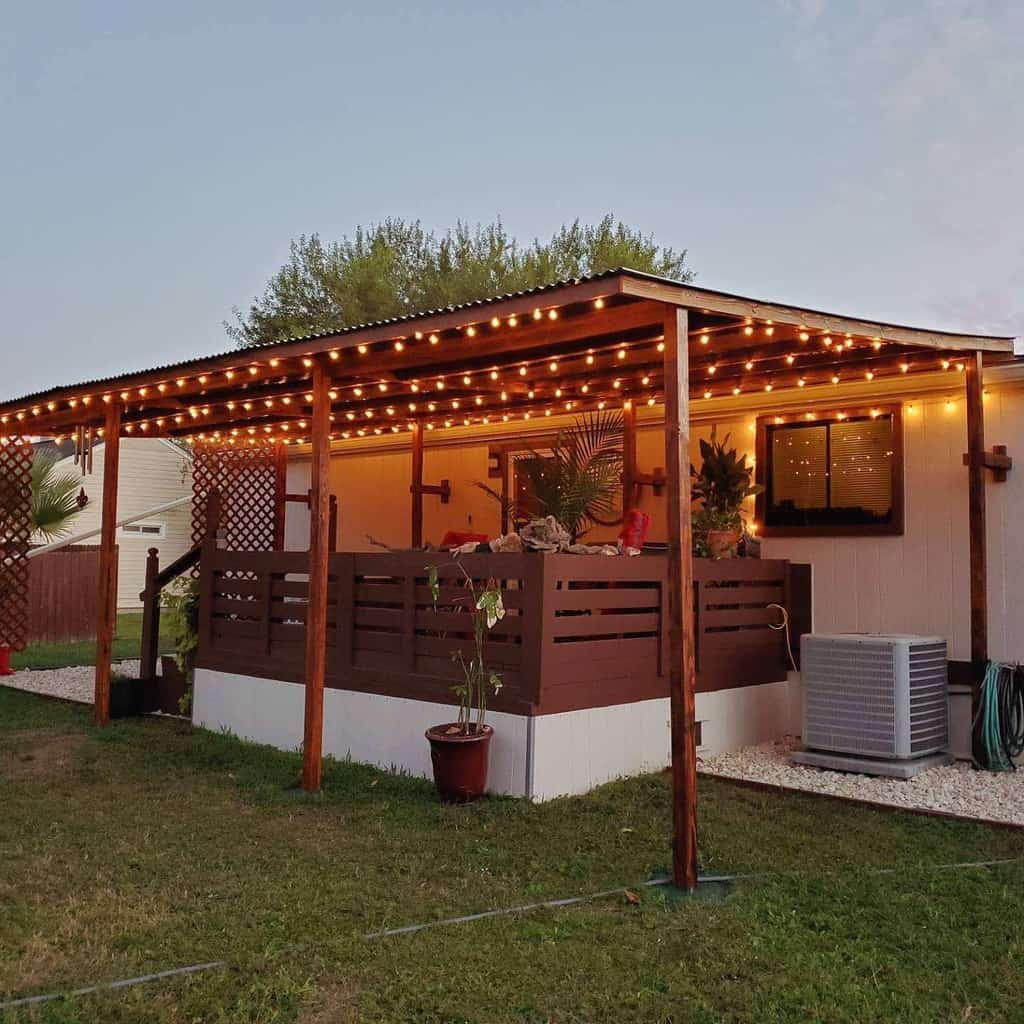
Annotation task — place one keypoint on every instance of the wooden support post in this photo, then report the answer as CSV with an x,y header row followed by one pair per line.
x,y
628,456
150,617
978,540
680,603
106,605
417,485
280,492
316,608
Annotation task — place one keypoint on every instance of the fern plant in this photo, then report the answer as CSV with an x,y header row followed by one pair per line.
x,y
579,481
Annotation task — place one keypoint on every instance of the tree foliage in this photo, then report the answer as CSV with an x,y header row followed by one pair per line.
x,y
398,267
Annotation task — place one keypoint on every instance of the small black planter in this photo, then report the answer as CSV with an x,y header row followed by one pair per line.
x,y
131,697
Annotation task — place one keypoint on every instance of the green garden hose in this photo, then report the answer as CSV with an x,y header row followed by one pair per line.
x,y
999,723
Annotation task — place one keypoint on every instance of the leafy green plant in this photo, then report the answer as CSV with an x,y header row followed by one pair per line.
x,y
724,479
721,486
485,609
579,481
182,603
54,497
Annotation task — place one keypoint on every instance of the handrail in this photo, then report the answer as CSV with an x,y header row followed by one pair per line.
x,y
63,542
174,570
157,579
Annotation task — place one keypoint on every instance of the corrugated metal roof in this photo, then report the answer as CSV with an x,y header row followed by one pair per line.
x,y
708,294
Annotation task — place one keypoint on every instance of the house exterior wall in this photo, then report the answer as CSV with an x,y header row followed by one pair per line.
x,y
152,472
917,583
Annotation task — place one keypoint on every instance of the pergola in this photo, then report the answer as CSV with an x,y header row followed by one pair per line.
x,y
615,340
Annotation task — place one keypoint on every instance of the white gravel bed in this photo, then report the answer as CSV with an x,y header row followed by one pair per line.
x,y
953,789
76,683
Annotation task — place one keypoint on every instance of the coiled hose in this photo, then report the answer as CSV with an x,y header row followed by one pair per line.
x,y
999,723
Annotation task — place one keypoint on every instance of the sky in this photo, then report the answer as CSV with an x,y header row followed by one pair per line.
x,y
858,156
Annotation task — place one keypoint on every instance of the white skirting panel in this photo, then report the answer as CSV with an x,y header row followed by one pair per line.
x,y
366,727
577,750
542,757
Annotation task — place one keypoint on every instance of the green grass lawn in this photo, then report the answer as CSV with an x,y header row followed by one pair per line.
x,y
127,638
150,845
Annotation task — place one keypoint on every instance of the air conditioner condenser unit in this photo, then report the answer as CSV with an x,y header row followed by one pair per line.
x,y
874,703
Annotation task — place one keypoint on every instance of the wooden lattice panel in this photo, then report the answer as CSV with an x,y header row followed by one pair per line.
x,y
15,536
245,477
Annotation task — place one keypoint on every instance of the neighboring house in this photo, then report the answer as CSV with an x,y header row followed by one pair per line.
x,y
154,471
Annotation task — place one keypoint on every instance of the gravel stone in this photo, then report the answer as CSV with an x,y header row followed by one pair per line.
x,y
75,683
954,789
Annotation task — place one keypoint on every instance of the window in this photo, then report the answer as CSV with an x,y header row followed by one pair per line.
x,y
149,531
837,474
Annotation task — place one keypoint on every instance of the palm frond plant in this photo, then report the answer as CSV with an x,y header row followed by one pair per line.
x,y
579,480
55,501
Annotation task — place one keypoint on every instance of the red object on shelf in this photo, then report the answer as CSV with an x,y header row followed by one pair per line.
x,y
635,525
456,538
5,662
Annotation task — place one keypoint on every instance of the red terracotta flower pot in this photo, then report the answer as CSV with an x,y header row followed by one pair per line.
x,y
723,543
5,662
460,761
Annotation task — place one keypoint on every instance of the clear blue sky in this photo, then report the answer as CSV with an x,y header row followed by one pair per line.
x,y
857,155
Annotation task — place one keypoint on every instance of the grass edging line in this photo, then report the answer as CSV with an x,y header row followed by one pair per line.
x,y
113,985
858,801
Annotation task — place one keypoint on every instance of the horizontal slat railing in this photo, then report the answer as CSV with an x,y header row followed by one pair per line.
x,y
735,643
579,632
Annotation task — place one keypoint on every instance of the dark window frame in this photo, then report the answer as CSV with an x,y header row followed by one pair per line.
x,y
894,528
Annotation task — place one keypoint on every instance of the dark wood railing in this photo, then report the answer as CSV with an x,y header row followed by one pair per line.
x,y
579,631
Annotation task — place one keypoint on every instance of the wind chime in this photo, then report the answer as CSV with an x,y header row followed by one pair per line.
x,y
84,442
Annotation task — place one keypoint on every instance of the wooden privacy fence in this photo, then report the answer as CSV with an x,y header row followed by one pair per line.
x,y
579,631
62,591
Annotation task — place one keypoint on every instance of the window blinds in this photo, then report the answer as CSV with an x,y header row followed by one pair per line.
x,y
799,466
862,453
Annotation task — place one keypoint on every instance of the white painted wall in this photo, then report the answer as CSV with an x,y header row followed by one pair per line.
x,y
152,472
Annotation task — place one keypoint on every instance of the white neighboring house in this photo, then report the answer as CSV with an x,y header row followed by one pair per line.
x,y
153,472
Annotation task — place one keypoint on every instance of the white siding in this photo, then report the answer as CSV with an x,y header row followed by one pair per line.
x,y
152,472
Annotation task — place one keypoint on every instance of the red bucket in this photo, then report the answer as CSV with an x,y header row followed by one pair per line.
x,y
5,662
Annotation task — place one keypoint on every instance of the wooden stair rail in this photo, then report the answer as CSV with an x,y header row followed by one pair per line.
x,y
156,580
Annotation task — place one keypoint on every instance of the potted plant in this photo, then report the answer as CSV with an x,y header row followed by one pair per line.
x,y
578,481
459,751
182,601
721,486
